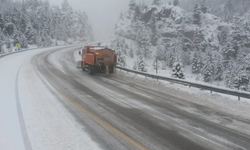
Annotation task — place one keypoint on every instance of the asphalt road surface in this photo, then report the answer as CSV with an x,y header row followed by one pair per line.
x,y
120,114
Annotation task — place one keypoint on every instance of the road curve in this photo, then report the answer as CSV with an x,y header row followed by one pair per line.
x,y
120,114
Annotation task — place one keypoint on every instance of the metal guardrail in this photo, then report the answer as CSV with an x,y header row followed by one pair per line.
x,y
3,55
239,94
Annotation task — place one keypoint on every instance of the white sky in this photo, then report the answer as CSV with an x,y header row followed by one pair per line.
x,y
103,14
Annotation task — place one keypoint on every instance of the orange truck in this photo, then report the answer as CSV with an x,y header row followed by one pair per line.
x,y
98,59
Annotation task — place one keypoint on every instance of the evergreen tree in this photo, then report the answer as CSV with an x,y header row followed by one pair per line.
x,y
9,29
176,3
135,67
199,43
177,70
218,75
143,40
121,16
204,7
1,22
141,65
196,63
170,59
229,10
66,7
30,36
223,36
208,69
197,14
237,40
131,52
157,2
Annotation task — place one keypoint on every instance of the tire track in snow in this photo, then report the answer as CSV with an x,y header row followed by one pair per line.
x,y
26,140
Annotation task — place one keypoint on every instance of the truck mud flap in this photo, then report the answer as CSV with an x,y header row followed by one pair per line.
x,y
79,64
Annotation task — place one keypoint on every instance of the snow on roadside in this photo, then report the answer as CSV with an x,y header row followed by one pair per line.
x,y
10,132
47,127
50,125
220,102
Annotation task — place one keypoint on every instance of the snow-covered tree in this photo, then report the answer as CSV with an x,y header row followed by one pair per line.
x,y
196,63
135,67
170,56
177,70
197,14
141,65
199,43
208,68
131,52
1,22
176,3
143,40
122,60
66,7
204,6
30,35
229,10
157,2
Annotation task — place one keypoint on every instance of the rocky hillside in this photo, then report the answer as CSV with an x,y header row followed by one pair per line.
x,y
211,49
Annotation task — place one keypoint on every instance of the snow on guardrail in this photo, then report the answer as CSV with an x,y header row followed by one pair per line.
x,y
239,94
3,55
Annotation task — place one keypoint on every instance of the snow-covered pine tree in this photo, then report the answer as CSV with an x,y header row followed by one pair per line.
x,y
177,70
199,43
237,40
30,35
66,7
197,14
229,12
204,6
176,3
196,63
135,67
223,36
170,59
160,53
239,80
218,75
1,41
1,22
122,59
157,2
218,66
131,52
143,40
141,64
208,68
121,16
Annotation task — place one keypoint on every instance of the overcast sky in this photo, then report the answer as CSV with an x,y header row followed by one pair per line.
x,y
103,14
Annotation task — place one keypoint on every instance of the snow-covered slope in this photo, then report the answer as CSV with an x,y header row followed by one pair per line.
x,y
209,49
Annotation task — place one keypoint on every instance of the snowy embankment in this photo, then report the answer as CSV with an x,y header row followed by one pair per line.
x,y
220,102
31,117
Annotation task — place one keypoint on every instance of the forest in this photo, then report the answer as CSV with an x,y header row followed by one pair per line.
x,y
35,22
214,48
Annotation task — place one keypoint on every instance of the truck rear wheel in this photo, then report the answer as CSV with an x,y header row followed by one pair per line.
x,y
83,68
90,71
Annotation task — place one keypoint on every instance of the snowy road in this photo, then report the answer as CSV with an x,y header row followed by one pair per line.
x,y
61,107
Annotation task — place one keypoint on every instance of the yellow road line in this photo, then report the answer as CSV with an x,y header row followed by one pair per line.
x,y
106,125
